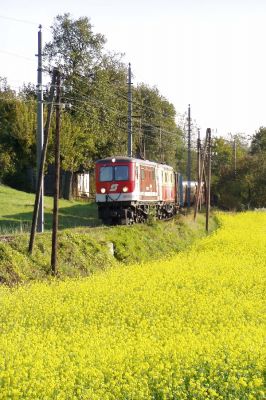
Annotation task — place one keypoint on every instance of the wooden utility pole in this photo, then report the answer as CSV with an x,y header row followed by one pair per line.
x,y
208,203
234,151
189,159
198,154
161,147
57,176
129,116
42,162
201,175
198,163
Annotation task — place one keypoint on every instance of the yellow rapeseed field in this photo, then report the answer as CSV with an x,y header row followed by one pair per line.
x,y
191,327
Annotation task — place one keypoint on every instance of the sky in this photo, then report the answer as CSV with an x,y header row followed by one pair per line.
x,y
210,54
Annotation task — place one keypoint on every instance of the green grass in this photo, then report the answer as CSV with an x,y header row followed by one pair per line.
x,y
82,250
16,212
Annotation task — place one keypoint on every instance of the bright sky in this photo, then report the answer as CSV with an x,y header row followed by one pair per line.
x,y
209,53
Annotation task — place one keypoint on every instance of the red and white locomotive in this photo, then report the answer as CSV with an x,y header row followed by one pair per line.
x,y
128,188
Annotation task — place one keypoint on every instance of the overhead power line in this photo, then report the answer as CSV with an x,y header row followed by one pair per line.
x,y
9,53
88,98
23,21
161,114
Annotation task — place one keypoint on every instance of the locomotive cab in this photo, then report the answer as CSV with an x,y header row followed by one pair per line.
x,y
115,183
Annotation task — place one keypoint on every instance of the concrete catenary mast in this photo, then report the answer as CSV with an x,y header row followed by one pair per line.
x,y
39,141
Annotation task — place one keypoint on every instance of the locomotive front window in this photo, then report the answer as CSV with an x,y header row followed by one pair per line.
x,y
121,173
106,174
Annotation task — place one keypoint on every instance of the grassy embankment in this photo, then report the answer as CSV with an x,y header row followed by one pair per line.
x,y
82,250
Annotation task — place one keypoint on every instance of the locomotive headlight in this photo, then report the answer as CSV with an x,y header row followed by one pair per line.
x,y
103,190
125,189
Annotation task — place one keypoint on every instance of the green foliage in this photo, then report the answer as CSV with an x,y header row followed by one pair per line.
x,y
222,159
96,86
256,178
157,135
17,133
74,47
238,180
258,143
91,82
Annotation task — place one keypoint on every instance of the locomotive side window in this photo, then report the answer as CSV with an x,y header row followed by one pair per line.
x,y
142,174
121,173
106,174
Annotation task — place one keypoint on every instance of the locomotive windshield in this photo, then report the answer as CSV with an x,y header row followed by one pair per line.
x,y
121,172
106,174
116,173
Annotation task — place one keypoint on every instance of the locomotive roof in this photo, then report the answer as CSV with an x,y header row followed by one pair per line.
x,y
131,159
117,158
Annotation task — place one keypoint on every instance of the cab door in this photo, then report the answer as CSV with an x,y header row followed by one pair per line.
x,y
137,180
159,173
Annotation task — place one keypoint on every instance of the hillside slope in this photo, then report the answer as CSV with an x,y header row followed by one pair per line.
x,y
16,212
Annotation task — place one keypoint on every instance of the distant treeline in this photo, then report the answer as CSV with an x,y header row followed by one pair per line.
x,y
94,121
239,171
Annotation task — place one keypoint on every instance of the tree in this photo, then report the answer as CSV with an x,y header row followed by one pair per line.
x,y
17,134
92,79
96,87
258,143
222,156
155,126
74,48
258,195
231,184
